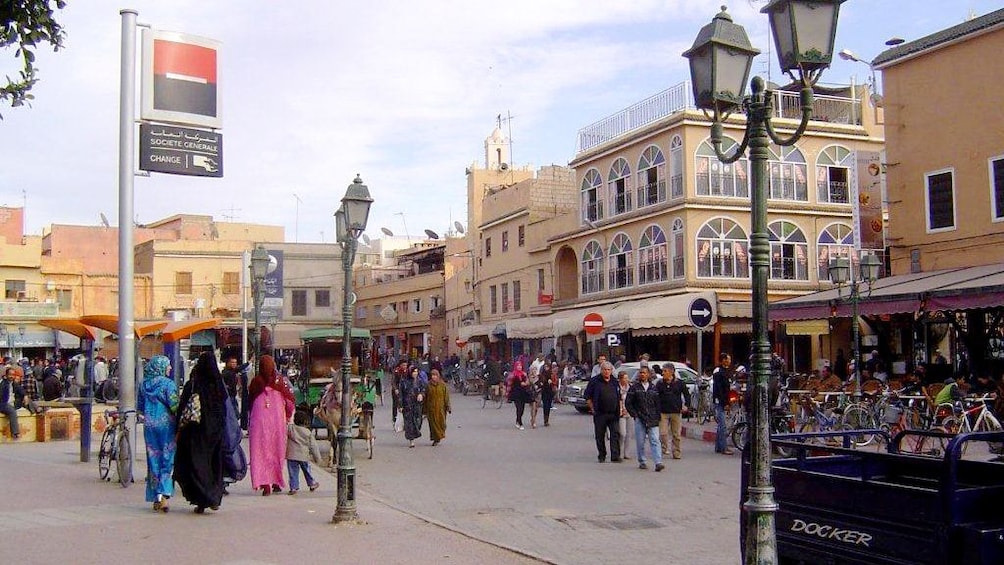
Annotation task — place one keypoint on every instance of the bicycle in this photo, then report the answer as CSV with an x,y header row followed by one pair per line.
x,y
976,418
494,394
116,446
705,410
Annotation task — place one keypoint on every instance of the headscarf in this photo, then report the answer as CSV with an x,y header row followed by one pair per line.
x,y
268,376
156,367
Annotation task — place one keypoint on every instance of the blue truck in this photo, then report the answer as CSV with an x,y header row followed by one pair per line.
x,y
843,506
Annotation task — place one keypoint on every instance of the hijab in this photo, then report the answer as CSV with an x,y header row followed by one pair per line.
x,y
268,376
156,367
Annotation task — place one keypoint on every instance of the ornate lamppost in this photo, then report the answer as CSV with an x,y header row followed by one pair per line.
x,y
350,223
839,270
720,62
259,268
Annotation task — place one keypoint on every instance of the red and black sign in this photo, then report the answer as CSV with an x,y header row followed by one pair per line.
x,y
184,78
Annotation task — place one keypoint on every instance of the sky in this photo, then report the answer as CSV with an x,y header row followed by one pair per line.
x,y
401,92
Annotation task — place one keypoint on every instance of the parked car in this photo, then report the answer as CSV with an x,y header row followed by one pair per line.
x,y
575,392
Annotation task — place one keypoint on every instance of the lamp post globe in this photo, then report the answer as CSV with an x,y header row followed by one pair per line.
x,y
356,205
720,59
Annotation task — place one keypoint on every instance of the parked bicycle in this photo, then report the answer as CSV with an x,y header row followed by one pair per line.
x,y
973,416
116,446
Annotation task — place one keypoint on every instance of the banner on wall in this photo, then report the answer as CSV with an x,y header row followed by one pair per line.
x,y
867,180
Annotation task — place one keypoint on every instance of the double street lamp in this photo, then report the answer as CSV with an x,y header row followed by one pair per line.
x,y
720,62
350,223
259,269
839,270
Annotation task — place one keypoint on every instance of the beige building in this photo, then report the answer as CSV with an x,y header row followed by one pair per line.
x,y
659,222
403,305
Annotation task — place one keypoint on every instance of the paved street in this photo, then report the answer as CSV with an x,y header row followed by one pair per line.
x,y
542,490
486,488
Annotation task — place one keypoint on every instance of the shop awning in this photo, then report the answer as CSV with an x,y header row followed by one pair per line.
x,y
954,289
569,322
183,329
287,336
71,326
465,333
537,327
668,311
335,332
110,323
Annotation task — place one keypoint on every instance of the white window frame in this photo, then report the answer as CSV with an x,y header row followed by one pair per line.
x,y
927,202
995,214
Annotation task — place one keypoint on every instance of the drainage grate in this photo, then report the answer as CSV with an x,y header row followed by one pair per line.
x,y
610,522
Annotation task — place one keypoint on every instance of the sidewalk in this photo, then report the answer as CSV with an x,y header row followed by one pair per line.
x,y
55,509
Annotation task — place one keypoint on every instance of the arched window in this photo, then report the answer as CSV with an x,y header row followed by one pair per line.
x,y
789,251
651,177
837,240
592,196
676,167
592,268
832,174
653,252
722,250
715,178
619,187
788,174
621,258
678,249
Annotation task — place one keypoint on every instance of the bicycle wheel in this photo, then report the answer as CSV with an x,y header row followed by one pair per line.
x,y
105,453
857,418
123,459
740,435
990,424
949,425
810,425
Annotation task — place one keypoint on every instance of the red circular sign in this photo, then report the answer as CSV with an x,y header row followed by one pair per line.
x,y
461,343
592,323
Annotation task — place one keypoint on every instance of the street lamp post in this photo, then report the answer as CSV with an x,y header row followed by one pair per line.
x,y
720,62
259,268
839,270
350,223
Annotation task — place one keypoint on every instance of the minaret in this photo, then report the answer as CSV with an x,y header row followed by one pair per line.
x,y
497,154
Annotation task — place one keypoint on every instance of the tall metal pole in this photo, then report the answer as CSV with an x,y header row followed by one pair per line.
x,y
855,335
760,506
258,291
127,113
346,509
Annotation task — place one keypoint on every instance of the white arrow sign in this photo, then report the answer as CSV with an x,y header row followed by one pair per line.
x,y
702,312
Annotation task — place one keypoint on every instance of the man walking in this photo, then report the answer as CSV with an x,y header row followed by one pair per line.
x,y
395,395
674,398
11,396
603,398
720,382
643,404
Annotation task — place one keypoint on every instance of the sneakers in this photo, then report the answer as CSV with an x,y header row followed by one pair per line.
x,y
728,451
615,459
411,443
601,458
642,465
293,491
659,467
520,427
314,486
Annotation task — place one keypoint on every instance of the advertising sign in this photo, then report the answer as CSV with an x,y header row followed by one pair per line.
x,y
180,151
180,79
866,198
272,305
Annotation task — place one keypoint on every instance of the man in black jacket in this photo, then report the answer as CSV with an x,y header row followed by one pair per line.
x,y
603,396
11,396
674,398
721,380
642,403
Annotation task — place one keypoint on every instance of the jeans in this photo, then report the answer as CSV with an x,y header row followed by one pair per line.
x,y
641,433
604,424
671,424
720,445
294,468
11,413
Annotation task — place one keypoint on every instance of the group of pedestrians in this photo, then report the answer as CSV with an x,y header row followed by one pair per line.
x,y
536,389
193,438
653,408
416,397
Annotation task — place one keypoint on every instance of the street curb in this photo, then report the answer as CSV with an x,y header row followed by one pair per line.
x,y
445,526
698,433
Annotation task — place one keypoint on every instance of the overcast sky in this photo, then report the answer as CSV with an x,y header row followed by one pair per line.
x,y
402,92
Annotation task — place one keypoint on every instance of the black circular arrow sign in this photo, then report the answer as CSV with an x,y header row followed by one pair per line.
x,y
700,312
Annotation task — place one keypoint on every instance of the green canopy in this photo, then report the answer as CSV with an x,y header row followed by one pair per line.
x,y
333,333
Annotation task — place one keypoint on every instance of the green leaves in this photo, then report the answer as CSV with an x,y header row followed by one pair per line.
x,y
27,24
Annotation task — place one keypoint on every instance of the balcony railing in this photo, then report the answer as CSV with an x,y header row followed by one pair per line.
x,y
787,189
622,203
652,271
652,193
834,192
594,211
832,109
622,277
592,282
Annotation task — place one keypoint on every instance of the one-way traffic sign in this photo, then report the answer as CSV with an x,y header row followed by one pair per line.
x,y
700,312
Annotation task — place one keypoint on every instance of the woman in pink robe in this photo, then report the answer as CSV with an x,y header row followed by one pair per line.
x,y
271,407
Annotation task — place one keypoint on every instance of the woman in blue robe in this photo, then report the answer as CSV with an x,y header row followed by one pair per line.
x,y
158,402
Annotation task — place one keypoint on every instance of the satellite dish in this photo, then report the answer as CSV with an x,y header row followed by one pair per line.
x,y
431,234
459,226
366,239
387,232
504,166
104,219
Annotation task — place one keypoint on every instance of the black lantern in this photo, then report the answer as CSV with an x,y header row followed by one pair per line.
x,y
870,265
804,32
839,270
259,264
720,62
356,206
340,233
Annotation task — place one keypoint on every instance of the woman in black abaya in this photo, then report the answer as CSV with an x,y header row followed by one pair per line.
x,y
198,465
